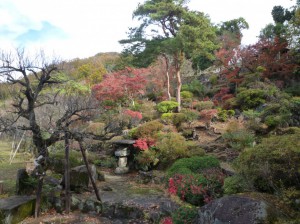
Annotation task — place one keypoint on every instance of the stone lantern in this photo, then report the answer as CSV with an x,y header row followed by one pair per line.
x,y
122,152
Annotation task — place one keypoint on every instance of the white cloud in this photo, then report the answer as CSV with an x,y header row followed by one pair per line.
x,y
77,28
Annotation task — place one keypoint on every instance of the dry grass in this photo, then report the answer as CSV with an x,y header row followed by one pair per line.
x,y
8,171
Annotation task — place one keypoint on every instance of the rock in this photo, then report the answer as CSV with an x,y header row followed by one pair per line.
x,y
51,181
106,188
155,177
101,176
75,202
144,177
237,209
1,187
90,205
16,208
121,170
23,185
79,178
122,152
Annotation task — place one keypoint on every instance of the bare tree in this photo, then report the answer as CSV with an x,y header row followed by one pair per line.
x,y
39,108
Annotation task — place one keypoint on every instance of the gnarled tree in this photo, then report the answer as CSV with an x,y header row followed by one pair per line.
x,y
40,108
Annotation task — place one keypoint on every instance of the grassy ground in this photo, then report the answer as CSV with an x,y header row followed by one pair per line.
x,y
8,171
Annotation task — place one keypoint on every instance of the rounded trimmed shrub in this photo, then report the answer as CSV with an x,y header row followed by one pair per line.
x,y
166,106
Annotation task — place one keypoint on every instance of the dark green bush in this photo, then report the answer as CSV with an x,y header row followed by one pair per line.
x,y
108,162
178,119
235,184
195,87
56,160
293,90
274,163
185,215
194,164
239,139
251,98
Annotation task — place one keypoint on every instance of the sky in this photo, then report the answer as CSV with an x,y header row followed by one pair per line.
x,y
82,28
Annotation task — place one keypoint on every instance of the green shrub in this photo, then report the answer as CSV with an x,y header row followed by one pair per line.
x,y
239,139
186,95
203,105
185,215
148,130
167,118
187,102
251,98
273,164
277,114
145,160
213,79
178,119
196,151
195,87
234,185
290,196
293,90
190,115
295,104
56,160
166,106
171,146
223,115
194,164
148,110
107,162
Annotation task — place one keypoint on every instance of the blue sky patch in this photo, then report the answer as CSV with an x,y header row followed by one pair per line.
x,y
46,32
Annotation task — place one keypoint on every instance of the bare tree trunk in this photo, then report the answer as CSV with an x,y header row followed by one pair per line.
x,y
168,86
89,170
67,174
38,196
168,76
178,90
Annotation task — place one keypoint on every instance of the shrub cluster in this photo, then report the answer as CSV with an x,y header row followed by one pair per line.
x,y
273,164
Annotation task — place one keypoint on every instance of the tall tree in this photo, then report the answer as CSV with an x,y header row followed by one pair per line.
x,y
181,32
233,28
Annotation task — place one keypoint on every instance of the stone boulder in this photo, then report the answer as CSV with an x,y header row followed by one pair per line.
x,y
79,178
16,208
237,209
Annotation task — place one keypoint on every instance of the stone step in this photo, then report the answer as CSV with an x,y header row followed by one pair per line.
x,y
16,208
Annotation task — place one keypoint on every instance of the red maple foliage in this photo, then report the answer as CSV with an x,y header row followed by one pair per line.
x,y
274,56
133,114
144,143
128,83
167,220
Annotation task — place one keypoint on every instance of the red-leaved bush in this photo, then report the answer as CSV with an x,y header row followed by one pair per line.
x,y
144,144
128,83
197,189
167,220
133,114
